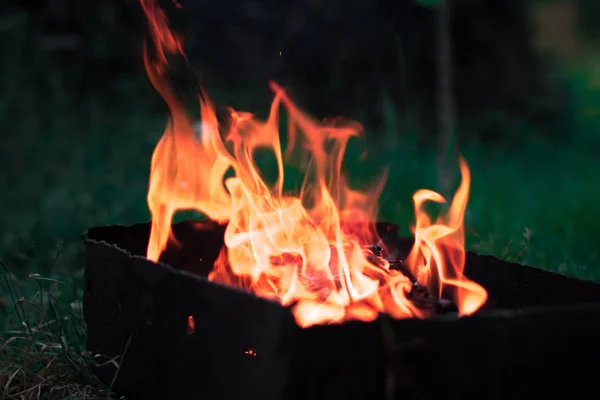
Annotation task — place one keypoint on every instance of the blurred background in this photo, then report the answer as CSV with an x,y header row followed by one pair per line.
x,y
513,85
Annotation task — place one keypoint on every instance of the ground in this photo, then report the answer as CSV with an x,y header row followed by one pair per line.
x,y
532,203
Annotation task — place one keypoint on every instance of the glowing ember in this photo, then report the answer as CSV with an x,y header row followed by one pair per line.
x,y
191,324
305,250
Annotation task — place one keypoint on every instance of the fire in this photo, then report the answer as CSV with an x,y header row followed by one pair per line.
x,y
437,258
307,250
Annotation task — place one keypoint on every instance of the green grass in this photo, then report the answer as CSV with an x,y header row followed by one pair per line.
x,y
533,203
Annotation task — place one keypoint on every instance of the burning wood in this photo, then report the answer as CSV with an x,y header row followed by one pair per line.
x,y
304,250
418,295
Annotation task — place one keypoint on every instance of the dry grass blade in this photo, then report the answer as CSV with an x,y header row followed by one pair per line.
x,y
42,347
112,383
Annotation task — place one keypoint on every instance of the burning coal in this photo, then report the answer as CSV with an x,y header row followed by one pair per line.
x,y
304,250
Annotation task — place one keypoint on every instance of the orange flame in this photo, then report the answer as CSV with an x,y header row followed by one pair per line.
x,y
305,250
437,258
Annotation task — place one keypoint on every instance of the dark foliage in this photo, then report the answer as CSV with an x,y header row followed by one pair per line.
x,y
337,57
588,18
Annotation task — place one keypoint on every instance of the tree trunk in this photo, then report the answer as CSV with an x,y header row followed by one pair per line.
x,y
445,98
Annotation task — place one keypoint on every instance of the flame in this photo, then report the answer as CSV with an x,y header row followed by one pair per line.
x,y
437,258
305,250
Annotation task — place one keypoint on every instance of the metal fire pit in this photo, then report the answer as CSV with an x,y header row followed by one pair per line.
x,y
538,336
